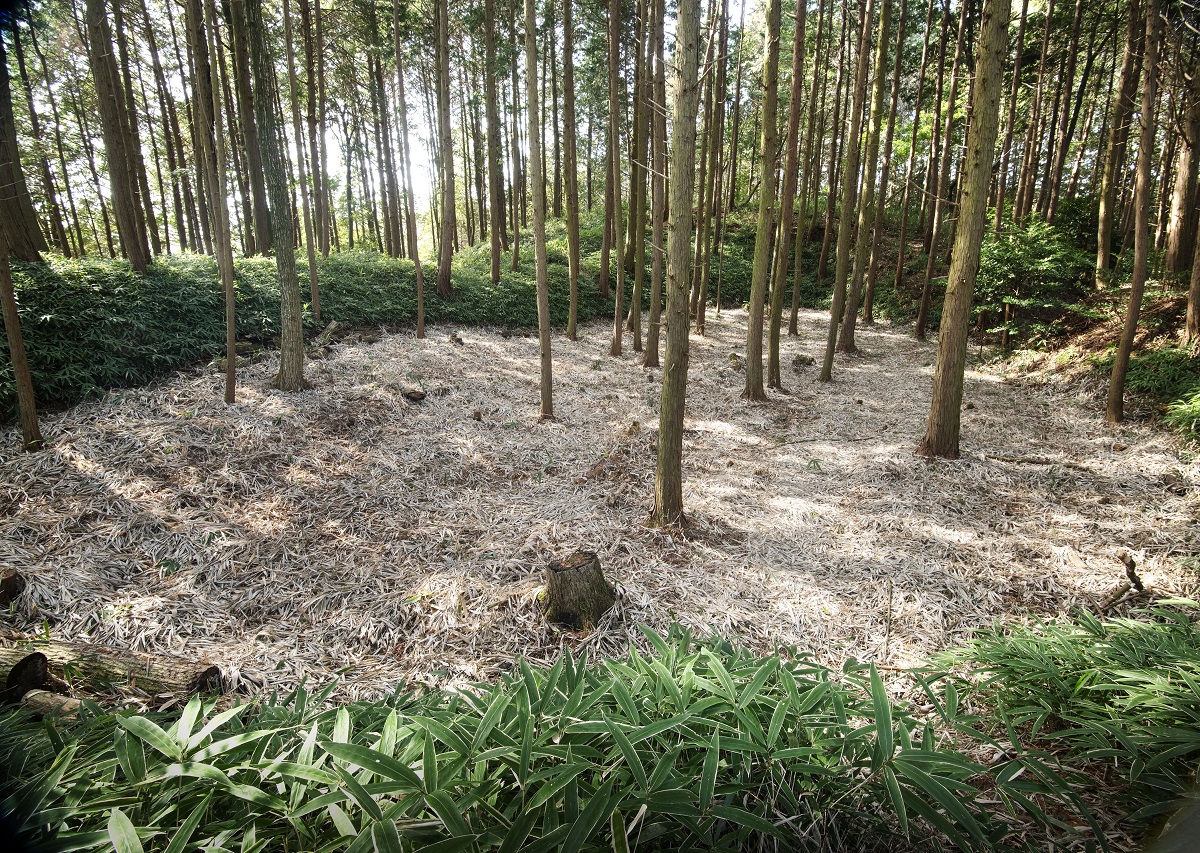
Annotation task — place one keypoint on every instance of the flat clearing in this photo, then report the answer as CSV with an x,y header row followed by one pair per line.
x,y
346,531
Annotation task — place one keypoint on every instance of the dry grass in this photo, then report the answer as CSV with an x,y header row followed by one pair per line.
x,y
346,531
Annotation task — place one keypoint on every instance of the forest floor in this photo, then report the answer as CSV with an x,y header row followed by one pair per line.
x,y
346,531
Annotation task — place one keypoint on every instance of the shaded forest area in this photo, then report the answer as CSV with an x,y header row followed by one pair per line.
x,y
599,424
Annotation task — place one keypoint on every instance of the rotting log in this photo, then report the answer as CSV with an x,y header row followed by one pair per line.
x,y
43,703
577,594
99,667
12,584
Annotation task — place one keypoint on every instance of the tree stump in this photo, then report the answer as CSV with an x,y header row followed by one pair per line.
x,y
32,672
577,594
12,584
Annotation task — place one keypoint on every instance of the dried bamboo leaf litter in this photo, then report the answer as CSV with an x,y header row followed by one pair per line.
x,y
346,531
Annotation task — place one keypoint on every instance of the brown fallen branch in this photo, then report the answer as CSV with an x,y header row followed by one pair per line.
x,y
43,703
99,667
1038,460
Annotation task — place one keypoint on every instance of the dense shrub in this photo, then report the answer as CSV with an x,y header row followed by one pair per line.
x,y
698,746
1039,272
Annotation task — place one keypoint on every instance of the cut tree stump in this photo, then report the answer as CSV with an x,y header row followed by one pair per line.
x,y
12,584
577,594
43,703
99,667
31,672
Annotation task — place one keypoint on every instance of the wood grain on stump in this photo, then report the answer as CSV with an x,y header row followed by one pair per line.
x,y
577,594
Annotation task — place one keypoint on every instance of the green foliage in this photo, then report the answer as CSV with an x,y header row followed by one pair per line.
x,y
1169,376
1040,271
698,746
1123,693
92,324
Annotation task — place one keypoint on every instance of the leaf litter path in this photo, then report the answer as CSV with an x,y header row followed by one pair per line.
x,y
345,531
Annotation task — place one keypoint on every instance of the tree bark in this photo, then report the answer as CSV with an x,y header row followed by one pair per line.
x,y
761,270
31,434
570,163
406,165
298,132
614,154
787,199
847,212
291,351
942,427
577,595
1010,124
246,84
546,377
445,288
1115,411
668,480
866,207
98,667
658,148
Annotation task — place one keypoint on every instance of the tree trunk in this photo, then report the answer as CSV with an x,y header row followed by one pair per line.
x,y
31,434
114,120
1114,159
668,480
445,288
546,378
1182,227
570,163
1010,124
291,351
787,199
1115,411
715,220
940,194
614,154
406,164
492,112
297,130
866,207
246,85
942,427
577,595
761,270
847,212
658,148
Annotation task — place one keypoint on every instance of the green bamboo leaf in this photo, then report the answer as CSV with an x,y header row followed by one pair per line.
x,y
554,784
183,729
496,708
375,761
620,840
429,765
594,812
883,717
31,802
741,817
360,794
130,755
897,798
448,812
122,834
632,759
443,733
229,744
214,724
341,821
150,733
708,779
751,690
385,837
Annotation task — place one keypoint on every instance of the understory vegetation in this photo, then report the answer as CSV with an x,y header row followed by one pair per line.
x,y
697,745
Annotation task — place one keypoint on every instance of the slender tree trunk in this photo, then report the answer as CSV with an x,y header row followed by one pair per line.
x,y
406,162
31,434
58,143
446,145
546,383
942,427
658,147
1033,140
245,89
54,217
297,129
1114,159
114,120
144,209
877,226
835,148
614,154
735,130
787,199
1181,228
638,176
761,270
846,214
811,175
291,349
518,179
668,480
716,220
1010,124
495,178
1192,327
866,206
570,163
940,196
1115,412
1066,123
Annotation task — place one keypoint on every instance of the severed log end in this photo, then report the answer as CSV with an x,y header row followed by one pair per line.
x,y
577,594
43,703
12,584
31,672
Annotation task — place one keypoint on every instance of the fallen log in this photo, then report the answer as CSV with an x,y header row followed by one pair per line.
x,y
31,672
99,667
12,584
577,594
43,703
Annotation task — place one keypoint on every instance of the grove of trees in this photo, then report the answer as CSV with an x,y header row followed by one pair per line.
x,y
870,145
